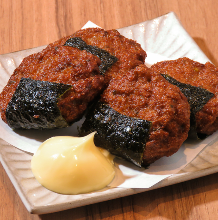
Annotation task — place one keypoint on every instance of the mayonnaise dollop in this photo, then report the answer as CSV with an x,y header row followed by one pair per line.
x,y
72,165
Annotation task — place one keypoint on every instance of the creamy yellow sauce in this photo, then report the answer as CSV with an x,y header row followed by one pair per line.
x,y
72,165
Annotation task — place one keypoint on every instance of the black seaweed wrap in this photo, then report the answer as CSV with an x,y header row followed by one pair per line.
x,y
121,135
107,60
34,105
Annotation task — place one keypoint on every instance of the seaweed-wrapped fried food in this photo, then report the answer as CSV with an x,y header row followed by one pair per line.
x,y
128,52
86,60
144,95
202,76
60,64
46,105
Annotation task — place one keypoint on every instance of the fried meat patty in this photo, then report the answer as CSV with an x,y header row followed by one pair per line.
x,y
129,52
60,64
196,74
145,94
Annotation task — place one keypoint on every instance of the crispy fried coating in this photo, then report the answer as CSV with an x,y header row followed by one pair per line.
x,y
196,74
60,64
75,101
129,52
64,64
142,93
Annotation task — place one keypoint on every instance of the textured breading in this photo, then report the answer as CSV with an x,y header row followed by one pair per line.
x,y
60,64
200,75
129,53
65,64
146,95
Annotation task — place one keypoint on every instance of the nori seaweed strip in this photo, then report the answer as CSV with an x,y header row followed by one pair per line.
x,y
107,60
197,98
121,135
34,105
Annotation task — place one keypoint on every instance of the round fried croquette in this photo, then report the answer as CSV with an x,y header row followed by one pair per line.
x,y
59,64
129,52
144,94
200,75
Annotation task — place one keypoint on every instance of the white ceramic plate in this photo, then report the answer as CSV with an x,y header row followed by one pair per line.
x,y
163,36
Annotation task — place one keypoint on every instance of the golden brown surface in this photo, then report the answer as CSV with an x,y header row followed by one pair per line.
x,y
59,64
26,24
200,75
68,65
129,53
141,93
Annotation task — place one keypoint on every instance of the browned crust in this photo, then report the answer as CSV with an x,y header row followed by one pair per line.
x,y
194,73
63,64
129,53
58,64
144,94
